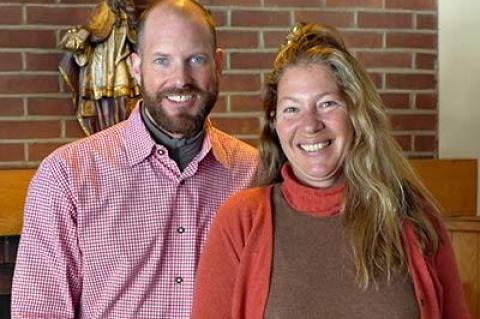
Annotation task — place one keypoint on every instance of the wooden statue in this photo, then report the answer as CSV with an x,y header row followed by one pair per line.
x,y
96,67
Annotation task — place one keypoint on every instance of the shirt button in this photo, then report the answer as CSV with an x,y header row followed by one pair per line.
x,y
178,280
180,230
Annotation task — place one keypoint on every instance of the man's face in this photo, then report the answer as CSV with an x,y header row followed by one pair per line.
x,y
178,70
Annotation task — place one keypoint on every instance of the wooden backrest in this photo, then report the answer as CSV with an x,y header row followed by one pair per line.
x,y
453,183
13,189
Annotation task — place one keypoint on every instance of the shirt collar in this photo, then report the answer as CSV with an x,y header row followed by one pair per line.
x,y
139,144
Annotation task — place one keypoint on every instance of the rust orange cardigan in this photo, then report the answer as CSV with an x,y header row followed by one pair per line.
x,y
234,271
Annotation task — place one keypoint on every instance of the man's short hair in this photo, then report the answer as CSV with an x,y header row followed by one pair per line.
x,y
143,18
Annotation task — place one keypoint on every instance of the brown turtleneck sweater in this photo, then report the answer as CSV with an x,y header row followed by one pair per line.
x,y
313,274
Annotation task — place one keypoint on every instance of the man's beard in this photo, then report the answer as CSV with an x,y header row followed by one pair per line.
x,y
185,124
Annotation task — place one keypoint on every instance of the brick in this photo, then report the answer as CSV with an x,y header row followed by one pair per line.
x,y
221,105
426,101
243,125
412,40
6,275
12,152
11,248
232,2
251,18
273,39
220,17
405,142
252,60
11,106
363,39
27,38
293,3
396,100
240,82
58,15
384,20
11,61
426,143
355,3
38,151
43,61
377,79
246,103
237,39
411,81
13,84
73,129
426,61
339,19
417,122
411,4
427,22
11,14
50,106
385,59
29,129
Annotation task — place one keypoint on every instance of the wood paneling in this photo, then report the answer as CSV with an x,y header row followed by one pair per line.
x,y
13,189
453,183
465,234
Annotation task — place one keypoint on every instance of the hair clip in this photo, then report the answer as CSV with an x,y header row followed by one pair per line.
x,y
293,31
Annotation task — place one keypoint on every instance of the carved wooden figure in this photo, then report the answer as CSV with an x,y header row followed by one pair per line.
x,y
96,67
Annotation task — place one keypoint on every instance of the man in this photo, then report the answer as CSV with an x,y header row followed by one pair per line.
x,y
114,224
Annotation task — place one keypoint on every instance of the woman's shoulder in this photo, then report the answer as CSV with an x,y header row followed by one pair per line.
x,y
245,206
249,197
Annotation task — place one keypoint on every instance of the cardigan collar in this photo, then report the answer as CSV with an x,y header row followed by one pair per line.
x,y
320,202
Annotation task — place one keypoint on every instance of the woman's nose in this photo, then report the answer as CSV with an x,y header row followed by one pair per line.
x,y
312,122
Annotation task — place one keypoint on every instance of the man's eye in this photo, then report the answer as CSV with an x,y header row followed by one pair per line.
x,y
198,59
161,61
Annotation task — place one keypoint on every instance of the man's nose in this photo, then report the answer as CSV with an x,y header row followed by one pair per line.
x,y
182,75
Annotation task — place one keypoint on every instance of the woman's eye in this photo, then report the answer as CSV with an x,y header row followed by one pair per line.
x,y
328,104
290,109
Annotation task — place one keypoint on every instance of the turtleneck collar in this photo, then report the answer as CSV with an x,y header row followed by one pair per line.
x,y
321,202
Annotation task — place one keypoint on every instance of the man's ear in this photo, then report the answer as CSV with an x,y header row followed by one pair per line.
x,y
137,67
218,62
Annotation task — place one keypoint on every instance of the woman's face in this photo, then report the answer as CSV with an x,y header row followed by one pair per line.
x,y
312,124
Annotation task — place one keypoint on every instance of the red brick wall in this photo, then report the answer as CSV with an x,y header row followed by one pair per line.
x,y
396,40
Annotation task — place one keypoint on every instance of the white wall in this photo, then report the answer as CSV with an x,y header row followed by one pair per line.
x,y
459,78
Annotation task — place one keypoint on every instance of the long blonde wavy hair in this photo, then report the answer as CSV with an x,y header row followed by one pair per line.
x,y
382,189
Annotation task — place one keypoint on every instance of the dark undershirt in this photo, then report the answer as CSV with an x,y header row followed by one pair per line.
x,y
181,150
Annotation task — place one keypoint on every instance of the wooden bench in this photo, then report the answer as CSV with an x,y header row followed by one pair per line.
x,y
452,182
13,189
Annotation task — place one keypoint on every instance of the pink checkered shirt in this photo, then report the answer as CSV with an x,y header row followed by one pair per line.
x,y
113,229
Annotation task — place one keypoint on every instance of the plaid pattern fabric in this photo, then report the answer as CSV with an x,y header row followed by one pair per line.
x,y
113,229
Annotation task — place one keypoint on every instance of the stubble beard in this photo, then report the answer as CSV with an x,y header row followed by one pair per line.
x,y
185,124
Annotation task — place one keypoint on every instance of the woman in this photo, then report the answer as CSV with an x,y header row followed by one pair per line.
x,y
342,227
